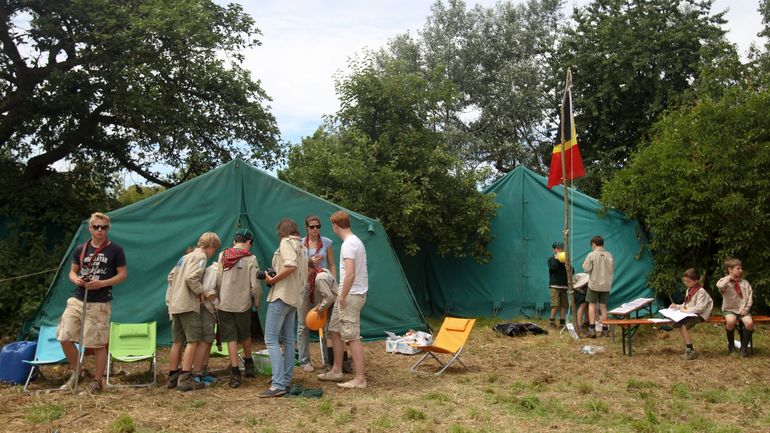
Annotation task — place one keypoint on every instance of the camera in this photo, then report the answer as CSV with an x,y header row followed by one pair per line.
x,y
263,274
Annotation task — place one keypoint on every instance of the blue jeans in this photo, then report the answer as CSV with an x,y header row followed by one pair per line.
x,y
279,323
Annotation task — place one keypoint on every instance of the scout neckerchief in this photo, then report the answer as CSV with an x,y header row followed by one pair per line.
x,y
230,257
89,268
691,292
738,288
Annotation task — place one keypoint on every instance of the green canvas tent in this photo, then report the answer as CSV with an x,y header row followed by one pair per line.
x,y
515,282
155,232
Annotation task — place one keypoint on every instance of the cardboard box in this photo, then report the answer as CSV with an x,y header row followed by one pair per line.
x,y
400,345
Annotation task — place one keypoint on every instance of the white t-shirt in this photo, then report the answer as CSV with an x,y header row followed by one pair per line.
x,y
353,248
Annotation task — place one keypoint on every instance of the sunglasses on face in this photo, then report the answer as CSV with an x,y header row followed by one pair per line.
x,y
101,227
318,226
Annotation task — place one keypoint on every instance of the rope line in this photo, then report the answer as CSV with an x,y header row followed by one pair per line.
x,y
28,275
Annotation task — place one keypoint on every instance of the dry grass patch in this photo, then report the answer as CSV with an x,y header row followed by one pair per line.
x,y
536,383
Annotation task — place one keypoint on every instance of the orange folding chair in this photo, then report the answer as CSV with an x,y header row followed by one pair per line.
x,y
450,340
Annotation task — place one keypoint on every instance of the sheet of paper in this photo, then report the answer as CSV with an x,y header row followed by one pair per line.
x,y
675,315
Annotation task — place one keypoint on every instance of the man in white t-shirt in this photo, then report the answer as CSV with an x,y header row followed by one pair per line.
x,y
345,323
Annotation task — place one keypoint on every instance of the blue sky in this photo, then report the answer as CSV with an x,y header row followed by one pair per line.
x,y
304,43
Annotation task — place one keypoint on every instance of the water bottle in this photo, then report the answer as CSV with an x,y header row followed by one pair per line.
x,y
592,350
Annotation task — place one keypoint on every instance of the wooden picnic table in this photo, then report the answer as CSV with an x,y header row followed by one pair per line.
x,y
625,310
630,326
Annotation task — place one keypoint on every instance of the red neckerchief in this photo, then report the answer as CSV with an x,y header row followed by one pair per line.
x,y
738,288
691,292
90,266
230,257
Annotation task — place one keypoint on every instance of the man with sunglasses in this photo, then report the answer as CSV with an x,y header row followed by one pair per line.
x,y
97,265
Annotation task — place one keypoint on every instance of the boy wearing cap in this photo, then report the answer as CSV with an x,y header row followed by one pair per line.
x,y
240,290
557,284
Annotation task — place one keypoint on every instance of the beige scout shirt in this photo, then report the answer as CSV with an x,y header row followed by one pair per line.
x,y
185,283
239,284
600,266
326,289
212,280
290,252
700,304
730,300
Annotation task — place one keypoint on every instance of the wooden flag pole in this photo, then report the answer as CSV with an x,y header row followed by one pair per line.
x,y
567,260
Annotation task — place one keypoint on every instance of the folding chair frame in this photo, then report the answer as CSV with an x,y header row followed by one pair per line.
x,y
455,357
37,364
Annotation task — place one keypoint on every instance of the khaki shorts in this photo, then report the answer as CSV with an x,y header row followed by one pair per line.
x,y
593,297
97,327
208,325
186,327
559,297
235,326
347,320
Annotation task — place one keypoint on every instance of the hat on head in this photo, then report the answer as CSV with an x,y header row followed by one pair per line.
x,y
579,280
558,244
245,233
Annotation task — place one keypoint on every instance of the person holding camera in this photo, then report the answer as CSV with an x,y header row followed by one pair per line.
x,y
290,263
319,249
97,265
239,291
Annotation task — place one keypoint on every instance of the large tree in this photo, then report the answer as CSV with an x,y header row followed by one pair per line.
x,y
700,189
150,86
385,155
632,61
501,60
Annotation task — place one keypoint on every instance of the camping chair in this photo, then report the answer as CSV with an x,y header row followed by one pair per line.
x,y
132,342
450,340
47,352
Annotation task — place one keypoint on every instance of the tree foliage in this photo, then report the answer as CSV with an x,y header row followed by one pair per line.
x,y
501,61
632,61
700,188
130,85
384,155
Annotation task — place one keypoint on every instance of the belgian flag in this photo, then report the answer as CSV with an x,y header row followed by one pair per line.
x,y
573,162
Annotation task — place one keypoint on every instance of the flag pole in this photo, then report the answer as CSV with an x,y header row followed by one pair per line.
x,y
567,262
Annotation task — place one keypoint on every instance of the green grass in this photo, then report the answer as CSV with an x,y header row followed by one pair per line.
x,y
123,424
44,413
414,414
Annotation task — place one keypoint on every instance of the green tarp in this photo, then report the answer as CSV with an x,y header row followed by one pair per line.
x,y
155,232
515,282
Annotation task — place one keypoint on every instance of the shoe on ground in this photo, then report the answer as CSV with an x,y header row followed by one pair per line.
x,y
96,387
186,383
331,376
69,384
209,379
592,333
235,381
605,332
248,368
270,393
690,354
552,324
308,368
173,378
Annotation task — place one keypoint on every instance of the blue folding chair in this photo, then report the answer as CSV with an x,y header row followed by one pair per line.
x,y
48,352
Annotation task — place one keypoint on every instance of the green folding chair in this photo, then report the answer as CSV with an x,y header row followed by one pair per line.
x,y
132,342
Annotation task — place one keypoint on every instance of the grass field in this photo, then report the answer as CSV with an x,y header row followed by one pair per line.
x,y
532,384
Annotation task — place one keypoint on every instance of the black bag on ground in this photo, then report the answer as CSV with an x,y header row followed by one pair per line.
x,y
518,329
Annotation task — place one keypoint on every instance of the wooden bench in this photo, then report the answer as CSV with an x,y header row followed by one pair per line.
x,y
630,326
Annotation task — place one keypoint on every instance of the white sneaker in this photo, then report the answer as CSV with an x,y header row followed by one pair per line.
x,y
308,368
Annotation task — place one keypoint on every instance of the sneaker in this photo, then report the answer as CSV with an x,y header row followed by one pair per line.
x,y
690,354
235,381
591,333
308,368
270,393
605,332
173,378
248,368
69,384
186,383
552,324
209,379
96,387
